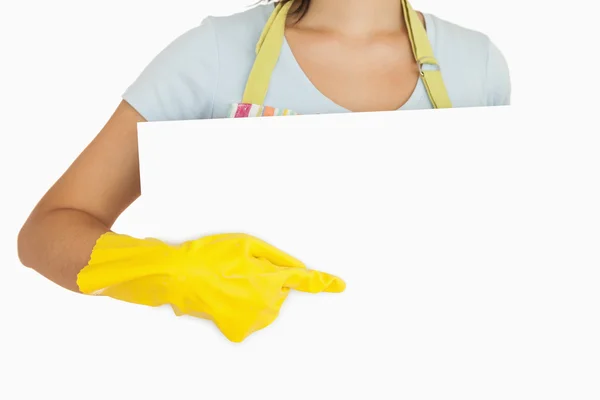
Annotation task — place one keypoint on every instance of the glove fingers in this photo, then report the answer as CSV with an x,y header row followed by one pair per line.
x,y
311,281
263,250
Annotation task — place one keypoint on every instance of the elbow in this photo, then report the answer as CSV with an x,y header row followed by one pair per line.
x,y
28,243
33,241
24,245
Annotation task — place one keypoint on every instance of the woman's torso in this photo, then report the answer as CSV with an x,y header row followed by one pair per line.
x,y
201,73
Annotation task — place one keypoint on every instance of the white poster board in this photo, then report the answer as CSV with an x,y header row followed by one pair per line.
x,y
468,241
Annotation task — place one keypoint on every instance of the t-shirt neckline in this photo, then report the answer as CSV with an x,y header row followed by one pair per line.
x,y
415,98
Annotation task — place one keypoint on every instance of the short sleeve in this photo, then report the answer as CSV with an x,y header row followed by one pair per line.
x,y
498,84
180,82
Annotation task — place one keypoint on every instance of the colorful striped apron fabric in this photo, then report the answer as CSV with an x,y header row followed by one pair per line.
x,y
269,47
245,110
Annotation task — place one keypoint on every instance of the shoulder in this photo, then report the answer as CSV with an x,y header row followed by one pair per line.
x,y
234,33
446,32
181,81
471,58
240,32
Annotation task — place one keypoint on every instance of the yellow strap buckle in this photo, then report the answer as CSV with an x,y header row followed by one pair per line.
x,y
421,62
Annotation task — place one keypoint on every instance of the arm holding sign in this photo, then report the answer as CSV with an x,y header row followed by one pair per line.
x,y
237,281
58,237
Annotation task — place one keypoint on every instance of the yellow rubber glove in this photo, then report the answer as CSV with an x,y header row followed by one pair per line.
x,y
236,280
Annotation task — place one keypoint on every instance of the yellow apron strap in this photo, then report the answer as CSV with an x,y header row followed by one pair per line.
x,y
267,27
267,54
271,39
434,84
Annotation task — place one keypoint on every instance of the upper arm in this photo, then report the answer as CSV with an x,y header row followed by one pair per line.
x,y
104,179
498,83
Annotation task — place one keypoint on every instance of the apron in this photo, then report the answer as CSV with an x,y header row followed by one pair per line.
x,y
269,46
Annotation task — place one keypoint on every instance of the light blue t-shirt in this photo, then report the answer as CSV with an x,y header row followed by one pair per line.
x,y
203,71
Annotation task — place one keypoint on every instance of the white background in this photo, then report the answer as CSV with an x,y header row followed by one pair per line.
x,y
64,65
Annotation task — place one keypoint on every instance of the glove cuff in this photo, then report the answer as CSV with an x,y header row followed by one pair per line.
x,y
117,258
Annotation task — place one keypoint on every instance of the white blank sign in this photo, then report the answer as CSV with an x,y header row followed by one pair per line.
x,y
468,240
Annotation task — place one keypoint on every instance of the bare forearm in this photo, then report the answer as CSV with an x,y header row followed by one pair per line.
x,y
58,244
